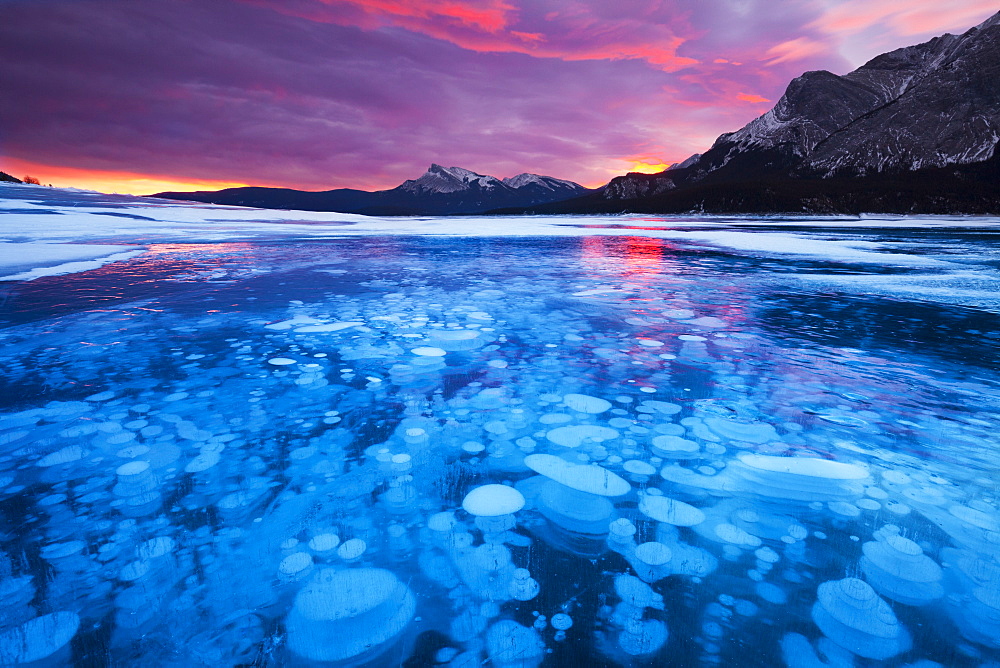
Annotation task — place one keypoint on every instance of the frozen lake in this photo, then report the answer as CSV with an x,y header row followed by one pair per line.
x,y
243,437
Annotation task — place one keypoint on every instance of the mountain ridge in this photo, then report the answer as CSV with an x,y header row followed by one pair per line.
x,y
438,191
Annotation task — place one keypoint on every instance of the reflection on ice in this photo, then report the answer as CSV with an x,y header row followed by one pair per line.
x,y
415,460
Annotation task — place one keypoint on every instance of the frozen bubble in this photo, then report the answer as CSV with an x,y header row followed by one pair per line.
x,y
329,327
38,638
588,478
133,468
342,614
134,571
62,550
555,418
203,462
156,547
133,451
523,587
643,637
281,361
691,337
674,447
771,593
707,321
67,455
767,555
300,454
493,501
640,468
897,567
844,509
352,549
472,447
750,432
851,614
101,396
428,351
442,522
586,404
120,438
292,322
649,343
797,531
670,511
295,563
897,508
511,645
324,542
734,535
574,436
561,621
653,553
661,407
805,466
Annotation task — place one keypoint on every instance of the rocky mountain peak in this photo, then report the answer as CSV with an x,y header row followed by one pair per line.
x,y
934,103
541,182
438,179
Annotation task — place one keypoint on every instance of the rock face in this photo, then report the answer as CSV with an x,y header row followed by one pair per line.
x,y
930,105
869,140
439,191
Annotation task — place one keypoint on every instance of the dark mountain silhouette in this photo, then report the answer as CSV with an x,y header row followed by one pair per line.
x,y
5,177
439,191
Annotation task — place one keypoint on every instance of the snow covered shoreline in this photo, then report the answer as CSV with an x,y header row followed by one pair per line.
x,y
46,232
26,261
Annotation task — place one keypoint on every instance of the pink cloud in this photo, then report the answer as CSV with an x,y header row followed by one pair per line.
x,y
862,29
905,19
573,31
799,48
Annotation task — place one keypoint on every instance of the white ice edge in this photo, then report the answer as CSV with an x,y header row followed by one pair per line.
x,y
46,259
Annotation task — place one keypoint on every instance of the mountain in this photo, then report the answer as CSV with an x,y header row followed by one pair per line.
x,y
5,177
915,130
439,191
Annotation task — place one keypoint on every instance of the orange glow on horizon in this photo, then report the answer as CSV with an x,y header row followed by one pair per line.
x,y
133,183
126,183
648,166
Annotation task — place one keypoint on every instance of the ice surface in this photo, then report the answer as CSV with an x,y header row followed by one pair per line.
x,y
25,261
280,438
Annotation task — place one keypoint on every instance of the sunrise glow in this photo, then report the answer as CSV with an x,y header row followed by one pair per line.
x,y
125,183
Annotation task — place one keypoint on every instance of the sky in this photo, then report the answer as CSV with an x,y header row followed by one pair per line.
x,y
140,96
